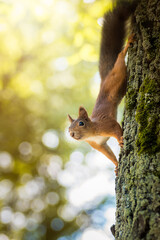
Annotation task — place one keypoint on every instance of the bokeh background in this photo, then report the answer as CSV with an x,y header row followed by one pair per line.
x,y
51,187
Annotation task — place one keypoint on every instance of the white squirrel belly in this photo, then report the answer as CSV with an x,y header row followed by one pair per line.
x,y
97,139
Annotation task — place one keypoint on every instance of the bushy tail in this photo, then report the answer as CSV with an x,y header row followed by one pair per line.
x,y
113,35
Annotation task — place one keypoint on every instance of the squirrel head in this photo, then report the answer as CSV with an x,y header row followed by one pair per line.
x,y
81,127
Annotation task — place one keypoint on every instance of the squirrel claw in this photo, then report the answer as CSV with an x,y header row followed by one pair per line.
x,y
116,171
131,39
121,142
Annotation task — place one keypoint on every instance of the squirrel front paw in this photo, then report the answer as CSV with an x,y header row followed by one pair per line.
x,y
116,170
131,39
121,142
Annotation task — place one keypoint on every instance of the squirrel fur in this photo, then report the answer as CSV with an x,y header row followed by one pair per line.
x,y
102,124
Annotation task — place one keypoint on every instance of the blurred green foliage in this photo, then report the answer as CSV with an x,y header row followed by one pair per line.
x,y
48,64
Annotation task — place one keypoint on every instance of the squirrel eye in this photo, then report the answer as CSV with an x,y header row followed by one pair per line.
x,y
81,123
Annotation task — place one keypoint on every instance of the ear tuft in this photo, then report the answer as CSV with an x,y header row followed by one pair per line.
x,y
83,113
70,118
81,109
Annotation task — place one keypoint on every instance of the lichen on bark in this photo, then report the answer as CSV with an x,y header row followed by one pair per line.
x,y
138,181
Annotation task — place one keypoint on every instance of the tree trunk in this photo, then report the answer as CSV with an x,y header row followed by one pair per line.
x,y
138,184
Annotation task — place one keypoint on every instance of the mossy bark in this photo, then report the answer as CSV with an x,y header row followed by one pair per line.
x,y
138,181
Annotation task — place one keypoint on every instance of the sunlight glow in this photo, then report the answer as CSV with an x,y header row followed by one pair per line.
x,y
54,166
37,205
48,2
110,215
31,189
48,37
76,156
62,7
92,190
3,237
73,174
94,234
61,64
65,178
5,160
25,148
23,205
100,21
88,1
18,220
110,220
52,198
50,139
37,87
6,215
67,212
39,11
5,188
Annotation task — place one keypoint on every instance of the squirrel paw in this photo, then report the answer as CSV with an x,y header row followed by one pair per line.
x,y
121,142
131,39
116,171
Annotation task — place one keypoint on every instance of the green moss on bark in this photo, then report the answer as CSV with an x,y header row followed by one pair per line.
x,y
138,181
147,118
131,99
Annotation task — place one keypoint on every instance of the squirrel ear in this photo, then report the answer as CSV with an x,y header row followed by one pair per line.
x,y
83,113
70,118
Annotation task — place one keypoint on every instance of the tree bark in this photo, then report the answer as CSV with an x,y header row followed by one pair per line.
x,y
138,182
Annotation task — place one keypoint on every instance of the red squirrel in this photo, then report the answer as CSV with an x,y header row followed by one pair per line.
x,y
102,124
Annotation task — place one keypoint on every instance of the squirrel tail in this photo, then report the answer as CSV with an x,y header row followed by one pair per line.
x,y
113,35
